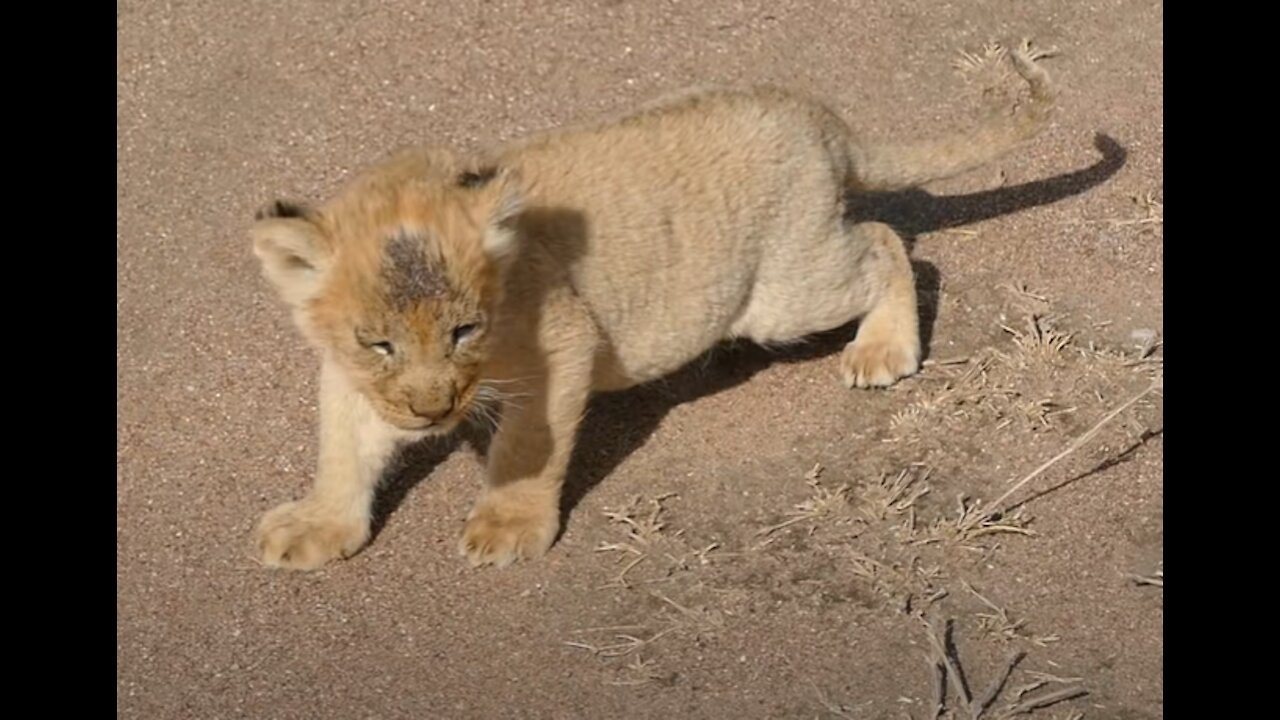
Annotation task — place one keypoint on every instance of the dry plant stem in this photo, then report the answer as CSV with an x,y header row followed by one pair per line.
x,y
1049,698
939,689
1156,580
939,644
944,362
988,697
1074,446
982,598
628,644
1047,677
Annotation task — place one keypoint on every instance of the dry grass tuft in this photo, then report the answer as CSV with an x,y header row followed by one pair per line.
x,y
1039,342
977,518
895,496
968,63
649,541
953,696
988,70
971,522
1152,207
823,503
998,625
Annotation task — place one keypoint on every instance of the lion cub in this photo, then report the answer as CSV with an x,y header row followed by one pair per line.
x,y
585,259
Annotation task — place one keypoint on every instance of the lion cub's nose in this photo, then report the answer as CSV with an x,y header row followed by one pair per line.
x,y
435,407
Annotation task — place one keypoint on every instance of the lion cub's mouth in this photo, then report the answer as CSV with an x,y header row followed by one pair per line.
x,y
415,423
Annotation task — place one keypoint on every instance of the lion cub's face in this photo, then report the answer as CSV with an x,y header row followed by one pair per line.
x,y
397,280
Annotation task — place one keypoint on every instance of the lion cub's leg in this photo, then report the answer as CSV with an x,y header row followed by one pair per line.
x,y
518,514
887,346
332,521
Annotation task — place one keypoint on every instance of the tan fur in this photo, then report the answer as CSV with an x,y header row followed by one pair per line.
x,y
586,259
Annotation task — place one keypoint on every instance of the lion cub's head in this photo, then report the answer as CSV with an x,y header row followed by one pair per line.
x,y
397,280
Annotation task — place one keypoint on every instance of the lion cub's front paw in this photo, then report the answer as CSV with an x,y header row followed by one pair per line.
x,y
297,536
878,362
500,531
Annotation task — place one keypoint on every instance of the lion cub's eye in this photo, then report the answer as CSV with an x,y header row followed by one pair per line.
x,y
383,348
462,332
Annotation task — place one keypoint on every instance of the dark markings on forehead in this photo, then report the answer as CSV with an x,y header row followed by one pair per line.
x,y
281,209
478,178
411,276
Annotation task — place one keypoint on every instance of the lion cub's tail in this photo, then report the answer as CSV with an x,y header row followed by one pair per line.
x,y
896,167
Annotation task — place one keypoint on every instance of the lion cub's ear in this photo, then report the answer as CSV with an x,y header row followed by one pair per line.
x,y
499,199
294,251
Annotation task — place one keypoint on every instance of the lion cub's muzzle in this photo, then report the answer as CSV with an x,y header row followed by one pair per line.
x,y
435,408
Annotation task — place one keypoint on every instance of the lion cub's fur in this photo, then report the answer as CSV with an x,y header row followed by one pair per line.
x,y
586,259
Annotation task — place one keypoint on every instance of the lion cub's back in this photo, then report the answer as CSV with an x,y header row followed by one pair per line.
x,y
665,217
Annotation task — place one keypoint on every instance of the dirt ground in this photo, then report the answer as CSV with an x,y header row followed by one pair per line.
x,y
747,539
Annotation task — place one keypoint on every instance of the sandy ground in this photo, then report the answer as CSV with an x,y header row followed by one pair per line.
x,y
748,540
